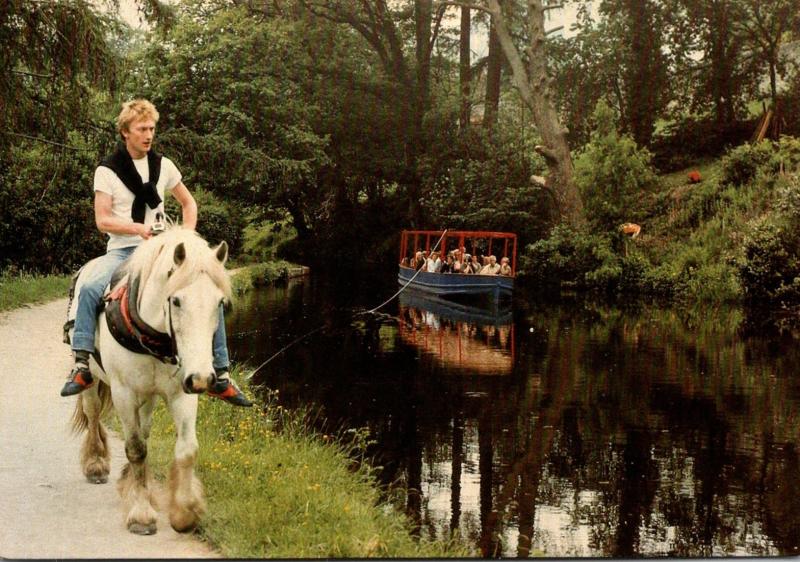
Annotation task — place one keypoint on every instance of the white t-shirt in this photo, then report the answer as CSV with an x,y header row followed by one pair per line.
x,y
106,180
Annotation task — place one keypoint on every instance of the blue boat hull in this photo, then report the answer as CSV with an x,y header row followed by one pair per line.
x,y
445,284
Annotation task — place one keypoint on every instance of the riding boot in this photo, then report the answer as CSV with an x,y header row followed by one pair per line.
x,y
80,378
225,389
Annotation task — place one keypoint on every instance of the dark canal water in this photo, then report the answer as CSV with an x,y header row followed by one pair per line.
x,y
566,429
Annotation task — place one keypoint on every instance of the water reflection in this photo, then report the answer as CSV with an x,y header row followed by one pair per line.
x,y
464,338
615,432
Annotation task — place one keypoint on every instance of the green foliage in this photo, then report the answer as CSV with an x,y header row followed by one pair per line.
x,y
263,239
51,54
611,172
258,275
570,256
46,213
217,219
481,182
770,267
235,115
741,164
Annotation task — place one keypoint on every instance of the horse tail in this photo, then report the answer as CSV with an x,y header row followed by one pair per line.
x,y
80,421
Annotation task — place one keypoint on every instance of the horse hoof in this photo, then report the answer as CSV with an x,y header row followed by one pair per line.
x,y
142,529
97,478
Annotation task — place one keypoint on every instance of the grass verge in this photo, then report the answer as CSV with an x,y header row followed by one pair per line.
x,y
246,277
276,490
20,289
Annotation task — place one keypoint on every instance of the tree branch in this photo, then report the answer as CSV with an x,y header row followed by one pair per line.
x,y
470,5
39,139
34,74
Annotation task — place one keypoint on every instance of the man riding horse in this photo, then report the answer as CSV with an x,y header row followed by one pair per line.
x,y
129,188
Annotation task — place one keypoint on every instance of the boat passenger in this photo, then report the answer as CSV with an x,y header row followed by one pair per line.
x,y
466,267
505,269
475,265
434,264
447,266
419,260
492,267
404,262
457,264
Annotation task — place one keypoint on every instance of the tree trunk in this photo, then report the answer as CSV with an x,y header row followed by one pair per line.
x,y
422,15
494,69
535,88
465,76
643,80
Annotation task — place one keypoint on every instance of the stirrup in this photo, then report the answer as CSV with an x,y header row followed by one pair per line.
x,y
78,380
225,389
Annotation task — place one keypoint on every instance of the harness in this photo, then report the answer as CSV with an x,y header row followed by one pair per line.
x,y
133,333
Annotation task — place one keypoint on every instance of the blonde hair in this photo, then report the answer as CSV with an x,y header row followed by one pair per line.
x,y
135,110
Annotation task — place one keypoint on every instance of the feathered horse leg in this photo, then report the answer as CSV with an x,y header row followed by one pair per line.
x,y
187,504
134,484
89,409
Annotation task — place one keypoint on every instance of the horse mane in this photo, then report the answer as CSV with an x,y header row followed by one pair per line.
x,y
157,252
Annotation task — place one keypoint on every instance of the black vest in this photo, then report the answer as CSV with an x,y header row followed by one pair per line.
x,y
121,163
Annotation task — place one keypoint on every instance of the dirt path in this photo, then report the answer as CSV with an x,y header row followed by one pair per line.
x,y
47,509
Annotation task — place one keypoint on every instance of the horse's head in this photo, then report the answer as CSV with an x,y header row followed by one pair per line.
x,y
188,283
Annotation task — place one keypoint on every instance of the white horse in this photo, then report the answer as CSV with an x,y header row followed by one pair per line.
x,y
181,283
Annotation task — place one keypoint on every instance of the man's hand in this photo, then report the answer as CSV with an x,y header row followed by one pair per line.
x,y
143,231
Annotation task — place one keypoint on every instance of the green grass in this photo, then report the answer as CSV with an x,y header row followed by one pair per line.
x,y
277,490
257,275
21,289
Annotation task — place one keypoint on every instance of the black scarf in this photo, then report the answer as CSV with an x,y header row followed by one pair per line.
x,y
121,163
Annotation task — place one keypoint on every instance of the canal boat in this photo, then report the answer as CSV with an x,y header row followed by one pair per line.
x,y
474,242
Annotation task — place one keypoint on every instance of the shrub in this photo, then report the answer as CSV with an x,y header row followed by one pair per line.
x,y
770,269
565,256
611,171
264,239
217,220
46,211
741,164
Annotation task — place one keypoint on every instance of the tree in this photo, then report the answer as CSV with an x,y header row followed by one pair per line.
x,y
494,70
763,26
464,68
50,54
241,117
535,88
382,25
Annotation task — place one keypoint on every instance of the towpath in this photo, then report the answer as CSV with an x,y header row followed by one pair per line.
x,y
47,508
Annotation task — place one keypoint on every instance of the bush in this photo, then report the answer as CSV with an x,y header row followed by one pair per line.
x,y
769,270
611,172
741,164
264,239
217,220
46,208
566,256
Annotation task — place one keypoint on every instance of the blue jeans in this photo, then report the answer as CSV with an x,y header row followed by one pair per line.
x,y
91,294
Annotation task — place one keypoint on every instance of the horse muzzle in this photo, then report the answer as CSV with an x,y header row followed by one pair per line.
x,y
196,383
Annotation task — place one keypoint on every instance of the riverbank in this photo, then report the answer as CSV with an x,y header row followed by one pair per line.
x,y
277,490
274,489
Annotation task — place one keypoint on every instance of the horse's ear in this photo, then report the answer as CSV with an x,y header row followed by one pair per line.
x,y
222,251
180,254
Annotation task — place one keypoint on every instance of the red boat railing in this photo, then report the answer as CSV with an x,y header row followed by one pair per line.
x,y
471,240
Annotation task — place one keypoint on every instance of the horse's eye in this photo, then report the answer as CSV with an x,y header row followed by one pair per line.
x,y
176,301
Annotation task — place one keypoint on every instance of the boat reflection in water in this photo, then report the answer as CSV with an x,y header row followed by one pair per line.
x,y
464,338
